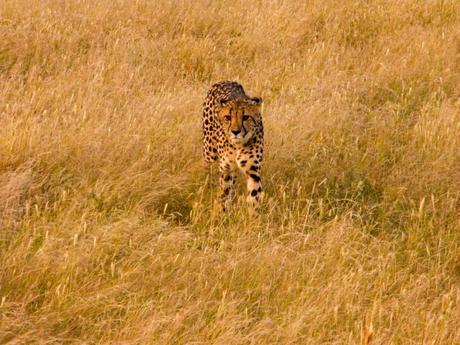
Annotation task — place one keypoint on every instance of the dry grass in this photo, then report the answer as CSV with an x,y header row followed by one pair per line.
x,y
109,234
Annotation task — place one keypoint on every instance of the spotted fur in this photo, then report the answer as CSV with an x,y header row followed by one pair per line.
x,y
233,135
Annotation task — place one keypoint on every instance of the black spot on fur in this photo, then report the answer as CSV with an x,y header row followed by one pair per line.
x,y
255,177
243,163
254,192
253,168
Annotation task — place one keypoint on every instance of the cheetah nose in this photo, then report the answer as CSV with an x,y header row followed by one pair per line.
x,y
236,131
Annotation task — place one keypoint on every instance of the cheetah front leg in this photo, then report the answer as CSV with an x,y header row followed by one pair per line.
x,y
227,180
251,169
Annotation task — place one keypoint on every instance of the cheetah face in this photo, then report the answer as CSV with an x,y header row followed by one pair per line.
x,y
240,119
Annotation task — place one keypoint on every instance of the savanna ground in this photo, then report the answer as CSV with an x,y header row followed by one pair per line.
x,y
109,230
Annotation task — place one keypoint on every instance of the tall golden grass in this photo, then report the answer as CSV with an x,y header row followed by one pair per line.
x,y
109,230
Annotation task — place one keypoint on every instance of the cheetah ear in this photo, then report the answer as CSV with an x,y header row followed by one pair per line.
x,y
223,102
256,100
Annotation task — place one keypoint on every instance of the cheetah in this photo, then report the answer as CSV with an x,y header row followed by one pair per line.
x,y
233,135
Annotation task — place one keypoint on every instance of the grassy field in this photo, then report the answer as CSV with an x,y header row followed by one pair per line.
x,y
109,228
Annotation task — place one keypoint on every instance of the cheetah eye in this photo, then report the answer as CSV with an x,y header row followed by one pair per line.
x,y
246,117
227,117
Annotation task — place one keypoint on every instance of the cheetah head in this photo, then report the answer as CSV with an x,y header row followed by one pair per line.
x,y
240,118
